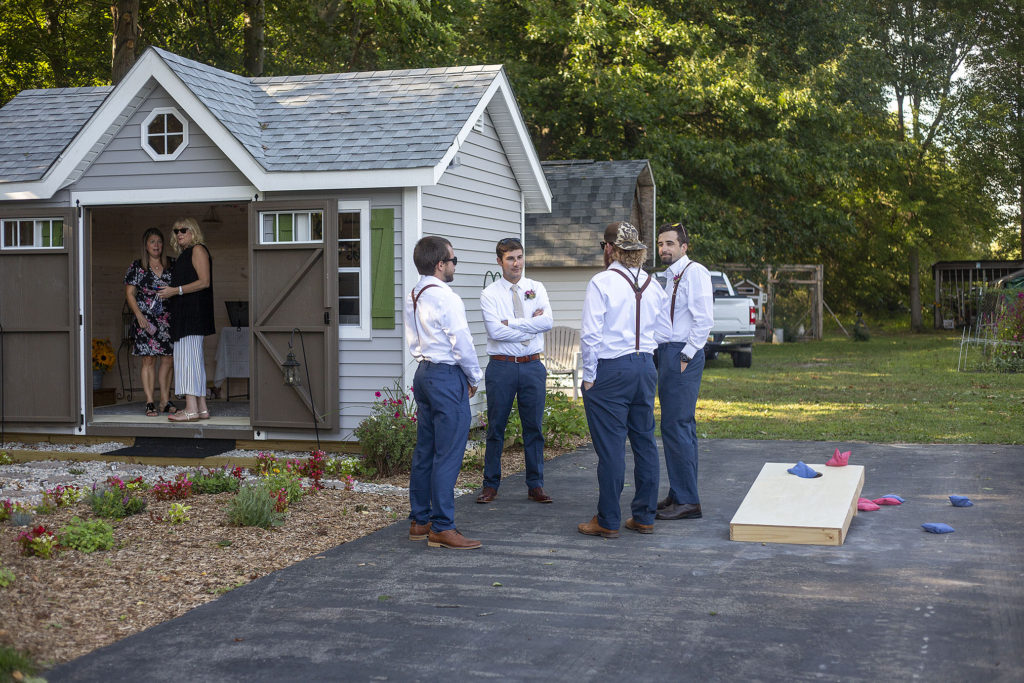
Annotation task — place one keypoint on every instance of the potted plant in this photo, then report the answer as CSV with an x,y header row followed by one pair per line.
x,y
102,360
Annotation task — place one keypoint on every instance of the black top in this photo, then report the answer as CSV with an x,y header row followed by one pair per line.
x,y
191,313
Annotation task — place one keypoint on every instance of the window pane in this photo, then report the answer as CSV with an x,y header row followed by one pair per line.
x,y
57,234
9,234
45,233
173,124
302,227
174,142
157,143
26,230
317,231
348,226
348,254
268,227
348,298
284,227
155,127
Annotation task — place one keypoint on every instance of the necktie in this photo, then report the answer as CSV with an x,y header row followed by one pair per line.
x,y
517,307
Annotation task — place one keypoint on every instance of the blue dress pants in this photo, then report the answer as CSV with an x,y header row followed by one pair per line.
x,y
505,381
442,429
621,404
677,392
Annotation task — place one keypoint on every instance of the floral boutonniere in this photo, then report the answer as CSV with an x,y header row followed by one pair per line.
x,y
529,294
675,280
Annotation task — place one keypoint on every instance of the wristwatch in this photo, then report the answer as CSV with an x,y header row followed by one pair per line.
x,y
683,357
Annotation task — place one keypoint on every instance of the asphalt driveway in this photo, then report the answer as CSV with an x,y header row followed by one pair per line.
x,y
540,601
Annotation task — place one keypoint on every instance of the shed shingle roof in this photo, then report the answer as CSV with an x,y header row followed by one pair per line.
x,y
586,196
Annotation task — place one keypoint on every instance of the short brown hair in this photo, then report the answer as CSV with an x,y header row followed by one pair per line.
x,y
428,252
680,229
506,245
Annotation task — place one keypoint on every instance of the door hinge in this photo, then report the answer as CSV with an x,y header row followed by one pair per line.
x,y
327,317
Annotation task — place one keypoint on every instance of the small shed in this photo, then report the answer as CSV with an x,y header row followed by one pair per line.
x,y
312,192
563,248
958,285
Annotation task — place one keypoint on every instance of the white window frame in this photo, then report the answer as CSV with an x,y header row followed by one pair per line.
x,y
362,330
144,130
37,233
294,212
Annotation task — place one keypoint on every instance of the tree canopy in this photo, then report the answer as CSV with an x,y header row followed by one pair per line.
x,y
873,136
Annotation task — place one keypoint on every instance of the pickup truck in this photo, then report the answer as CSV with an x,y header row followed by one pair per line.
x,y
735,320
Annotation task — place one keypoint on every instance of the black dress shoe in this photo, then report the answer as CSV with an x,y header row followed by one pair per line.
x,y
680,511
665,502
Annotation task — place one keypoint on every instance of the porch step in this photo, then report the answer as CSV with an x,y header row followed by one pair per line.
x,y
174,447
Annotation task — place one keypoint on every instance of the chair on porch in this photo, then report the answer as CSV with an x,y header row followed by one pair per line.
x,y
561,351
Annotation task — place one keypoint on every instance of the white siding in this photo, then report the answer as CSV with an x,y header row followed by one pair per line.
x,y
474,205
123,164
566,289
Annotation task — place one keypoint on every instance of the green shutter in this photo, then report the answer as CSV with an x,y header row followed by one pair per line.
x,y
382,268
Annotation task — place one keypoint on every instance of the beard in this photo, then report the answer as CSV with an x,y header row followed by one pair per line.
x,y
667,259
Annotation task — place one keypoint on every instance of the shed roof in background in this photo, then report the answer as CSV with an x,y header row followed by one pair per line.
x,y
586,195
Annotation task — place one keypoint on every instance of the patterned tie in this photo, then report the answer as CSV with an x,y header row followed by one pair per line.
x,y
517,307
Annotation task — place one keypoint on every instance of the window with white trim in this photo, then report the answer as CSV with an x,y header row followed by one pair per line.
x,y
164,134
354,269
284,227
32,233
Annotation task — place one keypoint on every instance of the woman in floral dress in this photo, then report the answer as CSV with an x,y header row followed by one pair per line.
x,y
152,336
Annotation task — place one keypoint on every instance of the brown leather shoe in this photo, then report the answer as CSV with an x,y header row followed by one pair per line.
x,y
665,502
537,495
592,528
637,526
451,538
418,532
680,511
487,495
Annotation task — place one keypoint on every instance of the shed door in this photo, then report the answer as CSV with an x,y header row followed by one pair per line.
x,y
39,357
293,297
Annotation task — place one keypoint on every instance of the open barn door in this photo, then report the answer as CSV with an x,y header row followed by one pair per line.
x,y
39,359
293,298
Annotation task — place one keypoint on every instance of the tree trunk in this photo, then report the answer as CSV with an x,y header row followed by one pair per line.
x,y
126,33
255,36
57,57
916,323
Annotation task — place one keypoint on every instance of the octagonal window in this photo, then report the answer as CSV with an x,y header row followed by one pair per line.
x,y
164,134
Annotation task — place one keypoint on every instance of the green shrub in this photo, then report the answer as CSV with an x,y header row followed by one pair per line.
x,y
5,459
88,536
214,481
388,436
254,506
288,481
115,502
6,577
12,660
348,466
563,423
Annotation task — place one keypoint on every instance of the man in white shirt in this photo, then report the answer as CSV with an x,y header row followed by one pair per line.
x,y
623,323
517,314
437,334
690,312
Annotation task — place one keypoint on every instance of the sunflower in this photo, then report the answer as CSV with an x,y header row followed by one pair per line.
x,y
102,354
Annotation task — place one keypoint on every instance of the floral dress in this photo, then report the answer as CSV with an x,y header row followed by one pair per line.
x,y
152,307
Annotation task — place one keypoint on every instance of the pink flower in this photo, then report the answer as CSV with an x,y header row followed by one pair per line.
x,y
377,394
398,413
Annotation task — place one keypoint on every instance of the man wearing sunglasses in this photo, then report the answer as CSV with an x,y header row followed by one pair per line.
x,y
438,337
516,313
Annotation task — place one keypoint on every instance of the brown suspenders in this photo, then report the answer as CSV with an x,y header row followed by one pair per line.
x,y
415,301
672,309
639,292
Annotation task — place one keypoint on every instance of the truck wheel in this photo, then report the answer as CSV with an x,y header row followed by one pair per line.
x,y
742,359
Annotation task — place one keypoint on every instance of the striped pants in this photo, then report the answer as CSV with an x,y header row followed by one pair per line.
x,y
189,368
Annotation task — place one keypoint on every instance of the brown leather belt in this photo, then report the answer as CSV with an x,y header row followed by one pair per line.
x,y
517,359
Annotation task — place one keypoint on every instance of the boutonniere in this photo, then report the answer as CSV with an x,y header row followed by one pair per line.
x,y
675,280
529,294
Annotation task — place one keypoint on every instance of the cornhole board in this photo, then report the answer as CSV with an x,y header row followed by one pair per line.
x,y
783,508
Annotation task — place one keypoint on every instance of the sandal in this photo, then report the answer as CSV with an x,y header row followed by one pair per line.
x,y
170,408
151,410
204,414
183,416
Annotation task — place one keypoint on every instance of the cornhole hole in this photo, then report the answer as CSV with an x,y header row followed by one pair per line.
x,y
782,508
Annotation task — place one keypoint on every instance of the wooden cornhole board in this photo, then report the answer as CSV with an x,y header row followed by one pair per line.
x,y
783,508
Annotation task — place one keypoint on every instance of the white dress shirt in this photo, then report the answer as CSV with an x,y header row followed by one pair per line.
x,y
439,332
496,305
694,304
609,317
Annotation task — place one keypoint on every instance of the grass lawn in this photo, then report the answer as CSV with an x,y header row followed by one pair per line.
x,y
897,387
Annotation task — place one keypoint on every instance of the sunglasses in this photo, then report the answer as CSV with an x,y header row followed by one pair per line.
x,y
604,244
508,240
180,231
454,260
